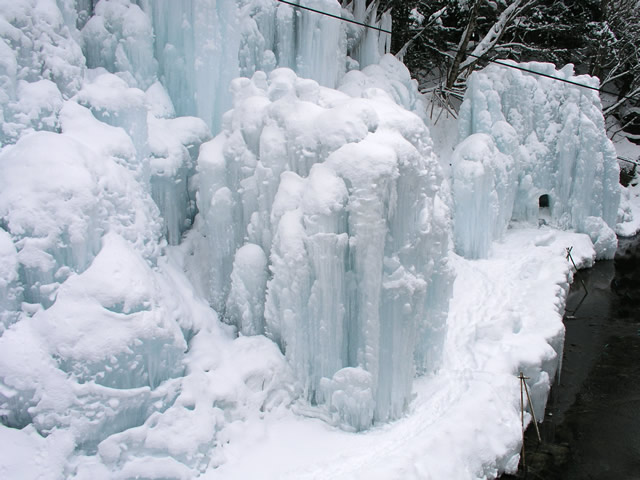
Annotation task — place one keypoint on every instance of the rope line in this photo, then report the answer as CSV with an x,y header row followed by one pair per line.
x,y
295,5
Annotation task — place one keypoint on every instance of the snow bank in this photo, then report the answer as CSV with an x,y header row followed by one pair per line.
x,y
58,201
505,317
566,166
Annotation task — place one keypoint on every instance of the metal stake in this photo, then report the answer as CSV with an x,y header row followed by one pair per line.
x,y
569,257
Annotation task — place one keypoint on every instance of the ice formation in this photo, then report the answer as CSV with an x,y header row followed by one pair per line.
x,y
322,184
211,210
313,223
551,136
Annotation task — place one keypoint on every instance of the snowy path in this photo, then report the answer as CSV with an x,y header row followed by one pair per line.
x,y
463,422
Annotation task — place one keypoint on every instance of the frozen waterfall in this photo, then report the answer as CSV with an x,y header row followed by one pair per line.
x,y
216,211
341,194
540,138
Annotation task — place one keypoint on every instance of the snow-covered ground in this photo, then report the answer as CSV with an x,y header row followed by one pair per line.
x,y
464,421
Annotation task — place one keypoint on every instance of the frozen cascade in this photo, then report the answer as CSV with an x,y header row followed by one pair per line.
x,y
215,42
315,216
484,181
39,61
350,271
119,37
555,134
174,145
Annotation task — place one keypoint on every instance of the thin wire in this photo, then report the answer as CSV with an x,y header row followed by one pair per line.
x,y
295,5
498,62
334,16
627,160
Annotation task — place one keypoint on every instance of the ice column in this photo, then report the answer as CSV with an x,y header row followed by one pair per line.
x,y
484,186
558,141
342,196
10,290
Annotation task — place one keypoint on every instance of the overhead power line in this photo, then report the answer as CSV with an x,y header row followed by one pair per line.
x,y
335,16
498,62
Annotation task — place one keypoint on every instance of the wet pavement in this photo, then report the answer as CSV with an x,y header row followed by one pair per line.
x,y
591,428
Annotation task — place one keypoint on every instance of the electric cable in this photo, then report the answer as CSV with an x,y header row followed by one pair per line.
x,y
497,62
334,16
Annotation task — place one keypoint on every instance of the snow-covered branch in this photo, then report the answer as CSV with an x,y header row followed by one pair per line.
x,y
496,32
433,18
621,101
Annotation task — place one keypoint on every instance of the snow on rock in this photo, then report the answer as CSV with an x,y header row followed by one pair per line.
x,y
113,102
221,392
57,202
567,168
322,183
33,456
161,151
40,37
144,343
40,61
389,75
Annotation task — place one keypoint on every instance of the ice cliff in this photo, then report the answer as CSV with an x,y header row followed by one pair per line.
x,y
301,204
213,210
341,194
534,149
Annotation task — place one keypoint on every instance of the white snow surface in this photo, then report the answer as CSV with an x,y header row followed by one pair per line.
x,y
464,421
268,288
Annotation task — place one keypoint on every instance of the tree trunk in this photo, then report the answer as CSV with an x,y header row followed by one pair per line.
x,y
454,71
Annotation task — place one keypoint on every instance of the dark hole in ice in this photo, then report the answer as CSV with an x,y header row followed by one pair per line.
x,y
543,201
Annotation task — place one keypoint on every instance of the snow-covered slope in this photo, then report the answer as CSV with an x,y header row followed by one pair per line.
x,y
253,289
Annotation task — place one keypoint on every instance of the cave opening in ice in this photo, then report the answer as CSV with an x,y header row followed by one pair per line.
x,y
543,201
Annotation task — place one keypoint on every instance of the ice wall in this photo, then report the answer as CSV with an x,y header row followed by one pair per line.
x,y
10,289
556,137
199,46
40,61
484,180
101,336
315,217
341,194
